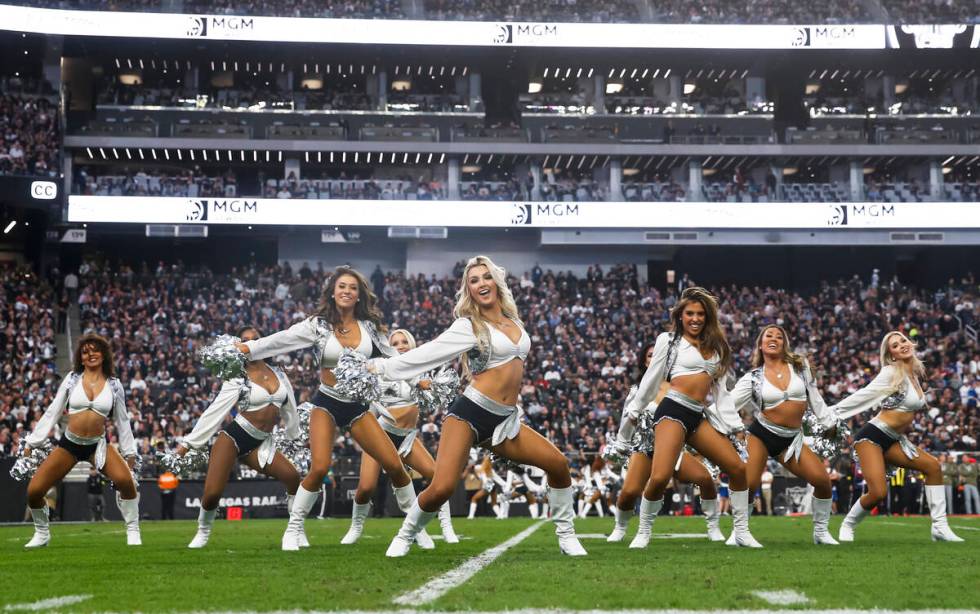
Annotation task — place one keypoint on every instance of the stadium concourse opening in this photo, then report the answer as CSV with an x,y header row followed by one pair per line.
x,y
620,306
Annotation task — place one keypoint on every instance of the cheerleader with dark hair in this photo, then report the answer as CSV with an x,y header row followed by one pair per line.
x,y
347,317
263,397
92,395
695,358
637,443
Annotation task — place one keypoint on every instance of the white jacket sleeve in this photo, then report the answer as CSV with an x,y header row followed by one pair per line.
x,y
654,376
825,416
742,394
124,430
288,413
51,415
627,422
457,339
212,418
868,397
297,337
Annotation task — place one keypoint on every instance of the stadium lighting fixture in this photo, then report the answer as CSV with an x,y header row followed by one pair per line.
x,y
10,226
418,157
180,156
140,151
118,65
102,153
307,156
689,88
266,155
153,152
166,154
534,87
255,156
191,152
429,161
452,73
442,158
612,71
115,153
568,72
357,156
646,71
466,69
405,159
280,156
614,87
667,74
204,152
319,156
331,157
591,71
392,157
129,156
89,151
343,157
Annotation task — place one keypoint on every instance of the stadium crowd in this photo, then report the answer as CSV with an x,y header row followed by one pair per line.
x,y
586,332
30,136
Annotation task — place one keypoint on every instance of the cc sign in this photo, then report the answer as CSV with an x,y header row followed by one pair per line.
x,y
44,190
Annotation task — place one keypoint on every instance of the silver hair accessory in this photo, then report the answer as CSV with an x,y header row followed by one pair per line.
x,y
443,388
297,451
353,378
825,442
25,466
223,358
195,461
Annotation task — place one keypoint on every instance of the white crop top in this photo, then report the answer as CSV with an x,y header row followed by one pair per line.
x,y
456,340
258,398
333,348
689,361
79,401
773,396
305,334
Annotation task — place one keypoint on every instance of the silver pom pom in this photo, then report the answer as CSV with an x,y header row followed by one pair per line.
x,y
443,388
353,378
616,453
297,451
25,466
740,447
195,461
223,358
825,442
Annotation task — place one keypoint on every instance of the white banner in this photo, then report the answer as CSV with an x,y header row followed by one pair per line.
x,y
452,33
496,214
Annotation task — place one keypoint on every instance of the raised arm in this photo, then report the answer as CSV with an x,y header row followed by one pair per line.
x,y
868,397
457,339
210,421
43,427
297,337
655,374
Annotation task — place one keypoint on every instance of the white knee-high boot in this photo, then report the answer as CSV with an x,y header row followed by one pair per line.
x,y
709,507
415,521
622,523
42,530
300,509
936,497
130,510
446,523
856,514
358,513
563,515
821,521
532,509
648,513
472,511
301,534
405,495
740,519
205,519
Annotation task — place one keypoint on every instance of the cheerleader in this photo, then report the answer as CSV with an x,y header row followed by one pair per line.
x,y
695,358
262,397
688,469
494,346
897,390
524,486
91,395
347,317
595,489
398,414
485,473
779,389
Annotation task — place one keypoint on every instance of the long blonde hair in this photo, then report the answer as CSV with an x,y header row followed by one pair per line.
x,y
712,337
798,361
466,307
913,368
408,336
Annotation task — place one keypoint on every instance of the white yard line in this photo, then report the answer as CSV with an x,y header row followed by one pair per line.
x,y
46,604
440,585
961,527
783,597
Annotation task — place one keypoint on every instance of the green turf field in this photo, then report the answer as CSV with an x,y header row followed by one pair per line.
x,y
893,565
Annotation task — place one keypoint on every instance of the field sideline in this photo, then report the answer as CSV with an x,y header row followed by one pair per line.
x,y
88,568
